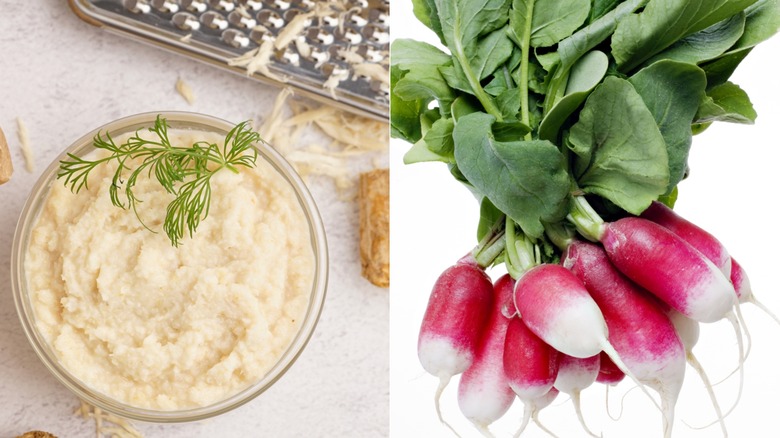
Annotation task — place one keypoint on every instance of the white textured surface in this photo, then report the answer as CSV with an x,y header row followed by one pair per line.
x,y
63,78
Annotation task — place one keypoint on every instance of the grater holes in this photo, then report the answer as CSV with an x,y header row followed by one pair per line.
x,y
259,35
379,17
251,5
165,6
185,21
214,20
289,57
374,55
292,13
363,4
196,6
241,20
330,21
381,88
357,20
320,57
304,4
333,69
235,38
376,35
222,5
137,6
318,35
282,4
349,35
270,19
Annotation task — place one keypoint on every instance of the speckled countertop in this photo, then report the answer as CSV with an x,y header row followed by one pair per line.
x,y
63,78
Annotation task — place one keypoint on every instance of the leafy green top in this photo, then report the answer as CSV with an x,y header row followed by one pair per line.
x,y
534,105
183,171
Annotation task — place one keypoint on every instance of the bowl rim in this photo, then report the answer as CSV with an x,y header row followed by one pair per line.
x,y
27,219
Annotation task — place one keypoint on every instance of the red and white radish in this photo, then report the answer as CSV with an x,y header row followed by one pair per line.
x,y
529,363
574,375
741,283
669,267
484,394
556,306
609,373
454,321
699,238
640,331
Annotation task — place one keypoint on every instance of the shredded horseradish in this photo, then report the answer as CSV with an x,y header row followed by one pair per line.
x,y
24,142
259,59
350,137
292,30
185,91
108,424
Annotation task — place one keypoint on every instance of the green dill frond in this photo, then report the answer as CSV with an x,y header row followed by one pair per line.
x,y
182,171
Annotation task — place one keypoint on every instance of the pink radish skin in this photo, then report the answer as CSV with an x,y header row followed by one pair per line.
x,y
484,394
711,248
640,331
457,312
557,308
741,282
669,267
530,364
716,252
609,373
574,375
699,238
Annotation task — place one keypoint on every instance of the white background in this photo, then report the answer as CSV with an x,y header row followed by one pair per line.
x,y
732,192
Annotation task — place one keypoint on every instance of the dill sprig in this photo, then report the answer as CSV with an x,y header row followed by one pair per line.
x,y
183,171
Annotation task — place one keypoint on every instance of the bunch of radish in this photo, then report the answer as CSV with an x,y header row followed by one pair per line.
x,y
571,123
623,299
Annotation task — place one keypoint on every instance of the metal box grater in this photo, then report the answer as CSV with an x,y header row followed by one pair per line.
x,y
337,37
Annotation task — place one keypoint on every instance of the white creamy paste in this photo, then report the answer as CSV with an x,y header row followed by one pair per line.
x,y
169,328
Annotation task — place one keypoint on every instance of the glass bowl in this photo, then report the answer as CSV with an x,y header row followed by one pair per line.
x,y
26,312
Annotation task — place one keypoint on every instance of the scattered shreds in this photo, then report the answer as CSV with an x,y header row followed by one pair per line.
x,y
338,76
303,47
354,131
24,142
274,120
186,38
322,163
350,56
117,427
372,71
6,166
351,137
257,61
292,30
185,91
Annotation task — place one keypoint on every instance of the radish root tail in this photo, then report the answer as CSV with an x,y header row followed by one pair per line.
x,y
443,382
575,399
613,354
753,300
696,365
